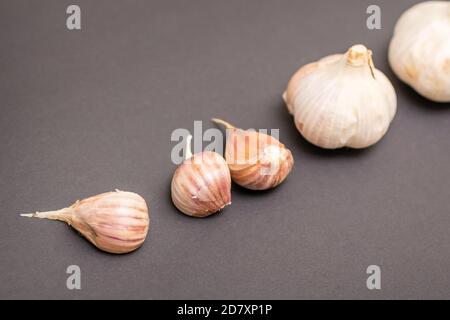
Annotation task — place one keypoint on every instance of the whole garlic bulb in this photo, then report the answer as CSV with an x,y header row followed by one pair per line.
x,y
115,222
342,100
256,160
201,185
419,52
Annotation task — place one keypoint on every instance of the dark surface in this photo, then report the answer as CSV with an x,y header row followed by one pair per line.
x,y
84,112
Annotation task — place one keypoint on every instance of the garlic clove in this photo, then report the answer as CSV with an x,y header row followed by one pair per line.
x,y
419,52
257,161
342,100
201,185
115,222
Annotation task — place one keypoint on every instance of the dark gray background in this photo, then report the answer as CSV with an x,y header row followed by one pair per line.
x,y
84,112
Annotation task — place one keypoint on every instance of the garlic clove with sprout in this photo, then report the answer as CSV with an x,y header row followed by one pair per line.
x,y
419,52
342,100
115,222
201,185
257,161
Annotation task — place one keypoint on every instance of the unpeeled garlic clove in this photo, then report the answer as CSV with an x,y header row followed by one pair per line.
x,y
342,100
201,185
115,222
419,52
256,160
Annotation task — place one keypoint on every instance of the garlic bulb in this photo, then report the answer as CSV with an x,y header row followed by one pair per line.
x,y
342,100
419,52
256,160
115,222
201,185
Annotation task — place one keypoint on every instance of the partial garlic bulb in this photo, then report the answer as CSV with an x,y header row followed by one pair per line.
x,y
115,222
419,52
342,100
257,161
201,185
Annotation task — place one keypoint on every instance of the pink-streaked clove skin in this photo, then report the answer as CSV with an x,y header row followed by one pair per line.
x,y
256,160
201,185
115,222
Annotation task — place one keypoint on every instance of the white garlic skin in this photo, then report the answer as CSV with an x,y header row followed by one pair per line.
x,y
342,100
115,222
419,52
201,185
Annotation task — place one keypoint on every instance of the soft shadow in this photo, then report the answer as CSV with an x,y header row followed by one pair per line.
x,y
254,193
415,100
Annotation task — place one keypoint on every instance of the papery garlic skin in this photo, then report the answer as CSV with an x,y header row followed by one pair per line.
x,y
419,52
256,160
115,222
271,167
201,185
342,100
